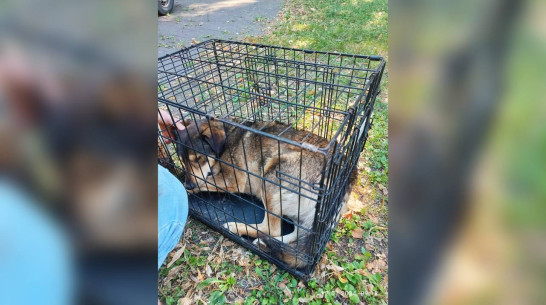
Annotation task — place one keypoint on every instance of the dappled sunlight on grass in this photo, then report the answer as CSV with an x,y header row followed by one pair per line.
x,y
300,43
379,18
358,27
299,27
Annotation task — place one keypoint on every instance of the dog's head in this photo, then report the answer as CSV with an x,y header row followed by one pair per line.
x,y
195,145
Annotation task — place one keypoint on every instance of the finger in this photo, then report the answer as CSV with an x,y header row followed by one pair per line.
x,y
180,126
164,118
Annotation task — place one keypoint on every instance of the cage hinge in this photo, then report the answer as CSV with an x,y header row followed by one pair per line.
x,y
310,147
316,187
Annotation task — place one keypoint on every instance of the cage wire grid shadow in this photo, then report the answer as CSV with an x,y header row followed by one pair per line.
x,y
271,138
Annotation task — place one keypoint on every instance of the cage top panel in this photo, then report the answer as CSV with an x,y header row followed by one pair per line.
x,y
239,82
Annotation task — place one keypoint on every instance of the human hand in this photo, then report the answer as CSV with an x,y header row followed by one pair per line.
x,y
166,125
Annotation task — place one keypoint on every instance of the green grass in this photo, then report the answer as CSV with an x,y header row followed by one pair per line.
x,y
356,26
353,268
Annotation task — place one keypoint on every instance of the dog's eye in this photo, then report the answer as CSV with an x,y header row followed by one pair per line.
x,y
209,174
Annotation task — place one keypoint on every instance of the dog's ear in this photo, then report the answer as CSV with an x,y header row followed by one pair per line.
x,y
214,133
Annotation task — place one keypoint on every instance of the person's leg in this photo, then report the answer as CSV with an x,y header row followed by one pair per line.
x,y
172,212
36,261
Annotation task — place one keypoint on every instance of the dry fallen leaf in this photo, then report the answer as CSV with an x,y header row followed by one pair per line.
x,y
363,272
383,189
377,265
184,301
341,292
372,218
357,233
369,289
173,272
348,215
334,268
355,204
176,256
285,290
208,271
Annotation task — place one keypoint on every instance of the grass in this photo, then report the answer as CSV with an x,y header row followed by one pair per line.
x,y
355,26
205,268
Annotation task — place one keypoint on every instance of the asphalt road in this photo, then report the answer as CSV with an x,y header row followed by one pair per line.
x,y
192,21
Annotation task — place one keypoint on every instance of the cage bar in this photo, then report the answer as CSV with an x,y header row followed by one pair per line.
x,y
293,124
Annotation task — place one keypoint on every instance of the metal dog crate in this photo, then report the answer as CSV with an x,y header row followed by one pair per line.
x,y
323,93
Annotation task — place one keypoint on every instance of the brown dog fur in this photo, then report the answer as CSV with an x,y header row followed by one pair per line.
x,y
264,157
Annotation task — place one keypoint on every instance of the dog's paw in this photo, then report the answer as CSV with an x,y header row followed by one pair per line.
x,y
234,227
258,242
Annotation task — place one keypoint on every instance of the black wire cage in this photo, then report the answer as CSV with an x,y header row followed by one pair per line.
x,y
267,140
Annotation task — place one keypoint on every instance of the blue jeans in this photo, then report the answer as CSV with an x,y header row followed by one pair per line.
x,y
172,212
36,262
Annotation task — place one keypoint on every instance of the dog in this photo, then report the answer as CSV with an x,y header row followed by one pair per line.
x,y
217,156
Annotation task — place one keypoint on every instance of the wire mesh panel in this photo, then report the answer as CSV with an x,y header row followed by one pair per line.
x,y
266,139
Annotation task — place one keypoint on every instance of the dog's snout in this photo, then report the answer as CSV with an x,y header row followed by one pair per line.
x,y
189,185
